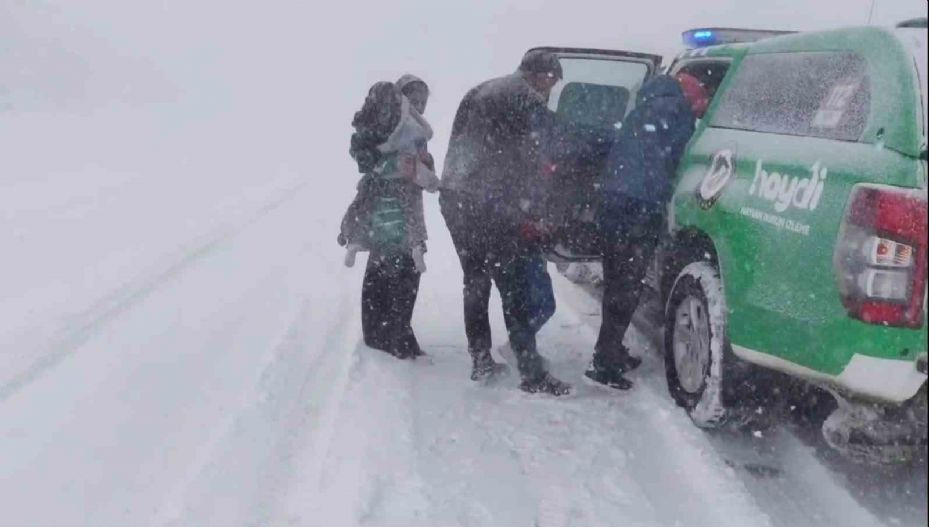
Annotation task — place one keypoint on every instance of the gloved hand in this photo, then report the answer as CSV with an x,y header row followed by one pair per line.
x,y
536,231
427,160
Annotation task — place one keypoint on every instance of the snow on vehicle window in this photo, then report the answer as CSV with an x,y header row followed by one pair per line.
x,y
597,92
812,94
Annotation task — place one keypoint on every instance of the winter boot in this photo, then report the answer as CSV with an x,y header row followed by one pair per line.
x,y
621,360
610,373
612,378
485,368
545,383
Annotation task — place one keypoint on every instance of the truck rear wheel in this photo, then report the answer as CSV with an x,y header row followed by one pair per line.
x,y
696,347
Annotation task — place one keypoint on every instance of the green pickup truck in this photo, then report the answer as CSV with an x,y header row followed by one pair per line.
x,y
796,236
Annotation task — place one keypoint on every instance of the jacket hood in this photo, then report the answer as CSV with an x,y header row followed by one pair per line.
x,y
660,86
408,79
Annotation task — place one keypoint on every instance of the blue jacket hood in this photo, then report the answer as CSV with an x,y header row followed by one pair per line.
x,y
642,161
660,86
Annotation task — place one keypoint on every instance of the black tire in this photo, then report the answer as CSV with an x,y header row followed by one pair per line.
x,y
698,287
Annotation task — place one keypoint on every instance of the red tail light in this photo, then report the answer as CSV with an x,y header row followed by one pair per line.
x,y
880,260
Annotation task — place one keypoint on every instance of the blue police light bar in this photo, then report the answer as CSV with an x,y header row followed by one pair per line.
x,y
713,36
703,37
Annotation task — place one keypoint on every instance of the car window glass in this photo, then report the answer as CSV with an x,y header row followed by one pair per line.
x,y
815,94
597,92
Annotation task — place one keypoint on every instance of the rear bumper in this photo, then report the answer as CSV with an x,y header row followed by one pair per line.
x,y
871,378
884,379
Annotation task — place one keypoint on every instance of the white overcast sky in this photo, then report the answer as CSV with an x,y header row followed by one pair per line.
x,y
300,69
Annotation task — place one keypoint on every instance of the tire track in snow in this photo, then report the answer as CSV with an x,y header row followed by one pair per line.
x,y
665,475
784,478
177,503
311,425
293,395
492,455
125,297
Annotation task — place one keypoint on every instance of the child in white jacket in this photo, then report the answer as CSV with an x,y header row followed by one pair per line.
x,y
389,198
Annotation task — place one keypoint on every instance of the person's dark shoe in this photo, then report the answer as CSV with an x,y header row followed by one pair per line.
x,y
627,362
545,383
630,363
485,368
611,377
620,360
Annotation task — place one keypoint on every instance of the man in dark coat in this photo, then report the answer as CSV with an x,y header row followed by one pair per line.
x,y
637,186
492,158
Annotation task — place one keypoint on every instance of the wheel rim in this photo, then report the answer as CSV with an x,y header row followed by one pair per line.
x,y
691,342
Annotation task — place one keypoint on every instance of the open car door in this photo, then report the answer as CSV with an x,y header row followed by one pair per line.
x,y
598,89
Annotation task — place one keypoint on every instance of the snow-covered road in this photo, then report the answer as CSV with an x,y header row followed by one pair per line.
x,y
180,342
227,385
127,401
418,444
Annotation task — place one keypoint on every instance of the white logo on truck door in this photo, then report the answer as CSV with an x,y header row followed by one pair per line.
x,y
785,191
717,176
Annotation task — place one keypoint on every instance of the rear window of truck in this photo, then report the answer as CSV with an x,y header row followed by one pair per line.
x,y
813,94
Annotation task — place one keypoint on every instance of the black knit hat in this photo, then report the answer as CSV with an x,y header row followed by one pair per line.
x,y
541,61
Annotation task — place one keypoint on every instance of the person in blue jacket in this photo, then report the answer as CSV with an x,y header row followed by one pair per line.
x,y
636,186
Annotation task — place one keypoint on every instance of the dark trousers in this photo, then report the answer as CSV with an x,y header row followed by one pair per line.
x,y
488,255
629,231
388,295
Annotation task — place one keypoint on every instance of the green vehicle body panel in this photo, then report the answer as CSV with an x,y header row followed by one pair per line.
x,y
895,99
777,266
